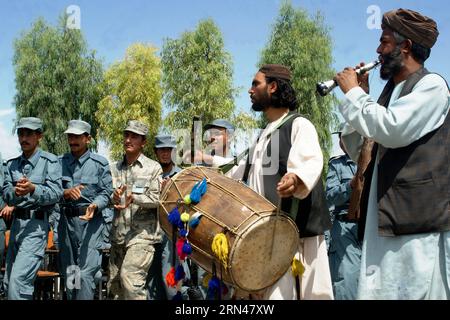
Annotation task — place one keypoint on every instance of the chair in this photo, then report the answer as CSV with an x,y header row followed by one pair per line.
x,y
48,284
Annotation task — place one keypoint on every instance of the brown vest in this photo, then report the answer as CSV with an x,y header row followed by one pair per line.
x,y
413,181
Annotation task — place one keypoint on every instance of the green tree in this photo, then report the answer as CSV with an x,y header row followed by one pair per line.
x,y
197,77
304,45
132,91
56,80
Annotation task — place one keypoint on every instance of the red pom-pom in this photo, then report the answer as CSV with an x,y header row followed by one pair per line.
x,y
182,255
170,278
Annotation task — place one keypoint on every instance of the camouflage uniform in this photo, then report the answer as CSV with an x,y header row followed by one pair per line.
x,y
135,229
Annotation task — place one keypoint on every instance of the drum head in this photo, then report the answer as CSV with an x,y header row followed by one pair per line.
x,y
263,252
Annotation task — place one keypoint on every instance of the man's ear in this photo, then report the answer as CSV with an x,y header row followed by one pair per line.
x,y
273,86
406,46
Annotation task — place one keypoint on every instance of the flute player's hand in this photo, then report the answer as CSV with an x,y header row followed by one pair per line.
x,y
347,79
363,79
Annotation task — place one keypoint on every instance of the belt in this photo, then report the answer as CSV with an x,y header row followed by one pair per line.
x,y
26,214
75,211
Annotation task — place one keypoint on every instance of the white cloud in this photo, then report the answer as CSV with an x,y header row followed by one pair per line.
x,y
9,146
7,112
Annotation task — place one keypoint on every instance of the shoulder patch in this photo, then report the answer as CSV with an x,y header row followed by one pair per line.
x,y
100,159
11,159
338,157
49,156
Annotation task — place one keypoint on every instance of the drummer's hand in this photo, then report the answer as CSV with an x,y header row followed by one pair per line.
x,y
363,79
347,79
288,185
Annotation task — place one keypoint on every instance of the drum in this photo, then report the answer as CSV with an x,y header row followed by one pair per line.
x,y
261,243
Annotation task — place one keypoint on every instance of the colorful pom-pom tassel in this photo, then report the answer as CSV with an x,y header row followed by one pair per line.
x,y
187,199
183,233
187,248
174,218
206,278
179,273
202,187
170,278
195,194
195,220
213,288
185,217
181,254
219,247
297,268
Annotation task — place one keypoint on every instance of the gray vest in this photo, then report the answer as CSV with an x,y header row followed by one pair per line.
x,y
413,181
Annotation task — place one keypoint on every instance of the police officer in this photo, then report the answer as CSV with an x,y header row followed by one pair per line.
x,y
33,187
136,227
2,222
165,146
87,187
218,133
345,249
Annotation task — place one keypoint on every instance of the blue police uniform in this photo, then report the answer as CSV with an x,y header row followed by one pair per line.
x,y
29,230
345,248
81,241
2,222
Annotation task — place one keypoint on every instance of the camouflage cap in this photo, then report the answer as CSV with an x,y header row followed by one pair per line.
x,y
137,127
78,127
30,123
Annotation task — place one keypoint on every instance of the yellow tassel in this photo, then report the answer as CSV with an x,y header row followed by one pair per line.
x,y
220,248
185,217
297,268
206,279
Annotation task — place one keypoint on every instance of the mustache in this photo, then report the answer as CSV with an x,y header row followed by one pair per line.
x,y
74,145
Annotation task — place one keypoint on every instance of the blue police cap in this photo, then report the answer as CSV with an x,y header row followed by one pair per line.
x,y
220,123
165,141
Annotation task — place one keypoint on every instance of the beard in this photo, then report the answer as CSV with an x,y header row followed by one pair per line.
x,y
262,103
165,164
392,64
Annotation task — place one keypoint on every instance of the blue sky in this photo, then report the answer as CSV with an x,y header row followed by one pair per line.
x,y
111,26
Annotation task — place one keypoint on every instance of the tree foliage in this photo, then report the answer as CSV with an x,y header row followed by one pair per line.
x,y
304,45
131,91
56,80
197,77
